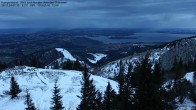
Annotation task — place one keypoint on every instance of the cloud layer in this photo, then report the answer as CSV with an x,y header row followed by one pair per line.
x,y
103,14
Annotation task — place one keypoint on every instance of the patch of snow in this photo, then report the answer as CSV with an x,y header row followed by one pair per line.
x,y
40,83
155,55
189,77
194,38
168,85
66,54
98,56
186,105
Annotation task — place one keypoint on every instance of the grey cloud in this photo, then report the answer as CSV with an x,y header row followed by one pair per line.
x,y
104,13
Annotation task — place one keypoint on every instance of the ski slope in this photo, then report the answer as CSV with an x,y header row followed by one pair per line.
x,y
66,54
40,83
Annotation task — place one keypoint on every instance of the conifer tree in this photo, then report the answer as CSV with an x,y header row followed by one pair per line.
x,y
156,88
88,93
109,98
56,65
121,78
3,66
64,65
149,92
69,64
99,104
121,86
181,68
178,68
144,85
77,65
56,101
28,102
158,78
129,98
14,88
35,62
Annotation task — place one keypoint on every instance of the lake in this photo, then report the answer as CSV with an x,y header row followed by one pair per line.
x,y
143,37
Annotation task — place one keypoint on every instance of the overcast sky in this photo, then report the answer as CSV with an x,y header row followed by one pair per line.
x,y
104,14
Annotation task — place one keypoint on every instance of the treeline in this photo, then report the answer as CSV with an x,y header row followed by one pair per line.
x,y
69,65
3,66
33,62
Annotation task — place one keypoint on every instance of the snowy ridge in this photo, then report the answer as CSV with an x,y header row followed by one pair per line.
x,y
40,84
66,54
97,57
112,68
181,49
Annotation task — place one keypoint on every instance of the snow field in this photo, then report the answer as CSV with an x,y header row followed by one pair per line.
x,y
40,83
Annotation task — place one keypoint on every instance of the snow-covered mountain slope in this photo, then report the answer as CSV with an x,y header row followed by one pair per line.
x,y
111,69
66,54
40,84
97,57
183,48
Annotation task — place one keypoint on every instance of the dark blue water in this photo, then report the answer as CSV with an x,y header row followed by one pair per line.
x,y
144,37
